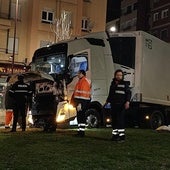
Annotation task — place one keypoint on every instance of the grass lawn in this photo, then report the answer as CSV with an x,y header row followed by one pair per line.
x,y
144,149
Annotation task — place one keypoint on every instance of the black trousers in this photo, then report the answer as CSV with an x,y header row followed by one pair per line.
x,y
19,110
118,116
81,117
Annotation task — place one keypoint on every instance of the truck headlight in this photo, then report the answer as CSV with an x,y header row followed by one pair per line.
x,y
61,117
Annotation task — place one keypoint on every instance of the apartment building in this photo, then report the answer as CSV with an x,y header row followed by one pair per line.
x,y
134,15
41,22
160,19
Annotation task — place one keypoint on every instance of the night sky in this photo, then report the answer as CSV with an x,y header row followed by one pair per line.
x,y
113,10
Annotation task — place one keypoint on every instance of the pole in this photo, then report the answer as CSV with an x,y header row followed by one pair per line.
x,y
15,29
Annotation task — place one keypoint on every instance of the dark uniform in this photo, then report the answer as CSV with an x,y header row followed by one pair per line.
x,y
119,94
21,92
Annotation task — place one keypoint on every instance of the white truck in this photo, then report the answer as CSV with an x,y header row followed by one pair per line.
x,y
144,59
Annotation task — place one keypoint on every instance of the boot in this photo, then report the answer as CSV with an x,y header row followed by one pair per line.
x,y
115,137
121,139
82,133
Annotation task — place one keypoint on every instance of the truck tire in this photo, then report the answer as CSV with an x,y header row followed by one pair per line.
x,y
92,118
156,119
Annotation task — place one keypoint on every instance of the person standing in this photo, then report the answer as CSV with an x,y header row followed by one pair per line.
x,y
21,93
9,105
119,98
81,98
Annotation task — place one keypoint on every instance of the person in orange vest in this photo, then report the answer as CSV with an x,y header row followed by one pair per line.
x,y
9,105
81,99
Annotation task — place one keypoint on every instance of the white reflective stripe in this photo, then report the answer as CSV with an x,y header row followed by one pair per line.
x,y
81,124
82,91
121,130
20,91
9,110
85,98
121,134
11,91
114,131
119,92
81,129
120,85
22,85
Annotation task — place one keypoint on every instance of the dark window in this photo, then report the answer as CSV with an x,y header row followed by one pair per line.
x,y
123,50
50,16
135,6
47,16
164,34
44,15
129,9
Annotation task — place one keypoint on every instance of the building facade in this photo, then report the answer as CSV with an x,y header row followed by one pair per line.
x,y
41,22
160,19
134,15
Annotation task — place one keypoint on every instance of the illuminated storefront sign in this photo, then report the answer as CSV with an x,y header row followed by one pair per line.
x,y
9,69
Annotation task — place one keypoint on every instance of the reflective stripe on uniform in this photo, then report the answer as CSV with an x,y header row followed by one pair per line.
x,y
120,92
121,85
80,97
82,91
121,132
115,131
81,129
81,124
21,91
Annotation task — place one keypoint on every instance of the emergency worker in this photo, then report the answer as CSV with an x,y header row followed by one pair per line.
x,y
81,98
9,104
21,92
119,98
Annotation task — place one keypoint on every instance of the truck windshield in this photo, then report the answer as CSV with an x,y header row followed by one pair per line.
x,y
123,50
55,63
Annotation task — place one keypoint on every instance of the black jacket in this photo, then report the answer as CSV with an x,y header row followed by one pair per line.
x,y
9,101
119,93
21,92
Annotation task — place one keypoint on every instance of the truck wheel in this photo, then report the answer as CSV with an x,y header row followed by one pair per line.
x,y
157,119
92,118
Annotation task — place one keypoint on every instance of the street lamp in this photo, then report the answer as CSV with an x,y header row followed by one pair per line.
x,y
113,29
15,29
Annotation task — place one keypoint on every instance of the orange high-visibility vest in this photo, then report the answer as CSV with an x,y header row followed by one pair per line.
x,y
8,117
83,89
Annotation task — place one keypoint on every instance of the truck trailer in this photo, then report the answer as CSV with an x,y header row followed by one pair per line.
x,y
143,58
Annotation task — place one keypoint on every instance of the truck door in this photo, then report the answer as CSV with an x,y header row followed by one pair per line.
x,y
77,62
